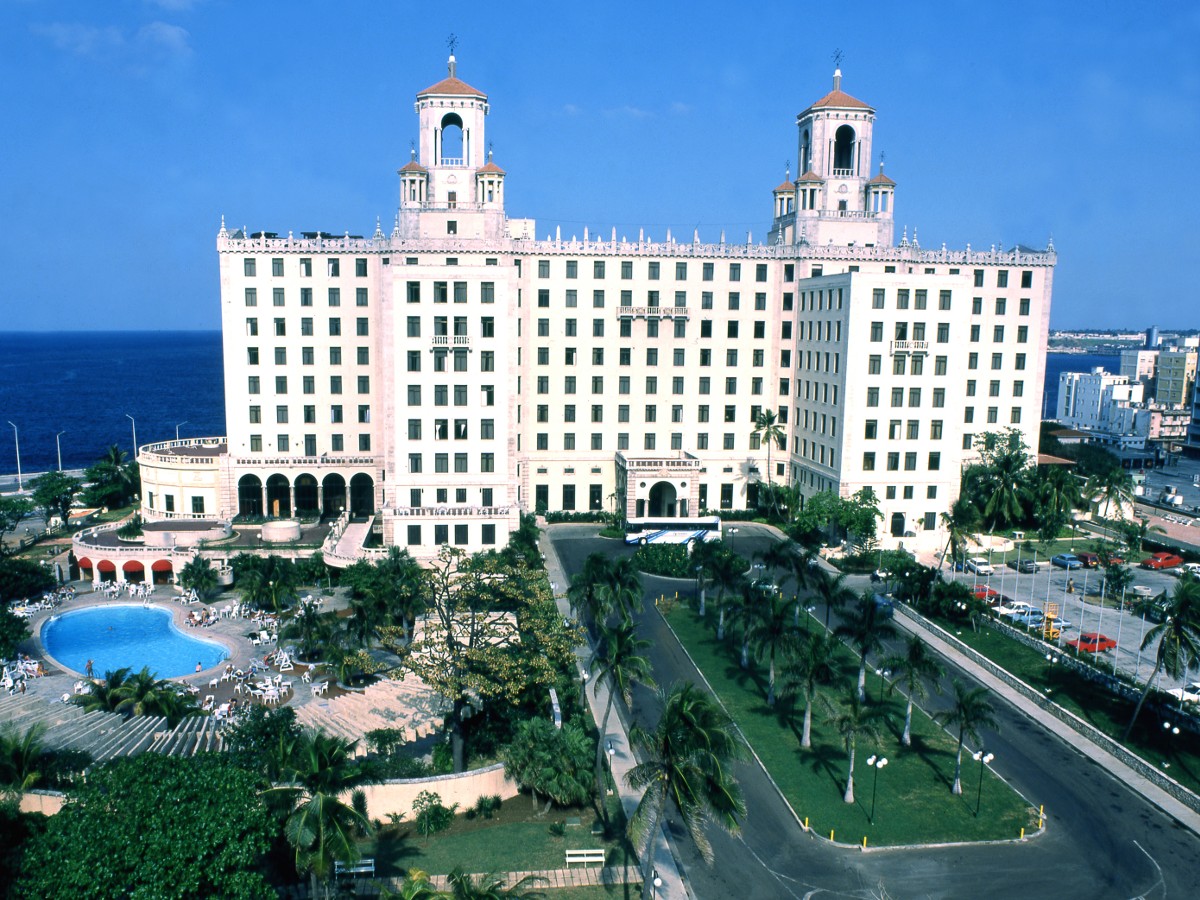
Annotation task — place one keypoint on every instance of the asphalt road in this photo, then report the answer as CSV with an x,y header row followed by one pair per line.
x,y
1102,839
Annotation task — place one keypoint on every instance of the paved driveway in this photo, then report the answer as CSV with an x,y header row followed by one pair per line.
x,y
1102,840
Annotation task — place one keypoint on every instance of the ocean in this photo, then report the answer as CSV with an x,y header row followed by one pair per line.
x,y
85,384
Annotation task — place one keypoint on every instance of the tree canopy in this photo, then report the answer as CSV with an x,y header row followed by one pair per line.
x,y
154,827
54,492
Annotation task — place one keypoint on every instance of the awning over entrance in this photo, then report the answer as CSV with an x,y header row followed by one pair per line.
x,y
161,565
84,563
133,566
105,566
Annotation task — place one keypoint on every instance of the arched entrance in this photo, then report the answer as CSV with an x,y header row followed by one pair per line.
x,y
662,500
250,496
897,529
362,495
306,495
85,568
279,497
335,495
107,570
162,571
135,572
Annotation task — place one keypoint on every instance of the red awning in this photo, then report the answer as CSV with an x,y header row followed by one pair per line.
x,y
105,566
84,563
161,565
133,566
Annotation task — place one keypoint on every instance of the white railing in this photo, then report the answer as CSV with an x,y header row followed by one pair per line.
x,y
489,512
328,462
662,312
451,340
154,452
899,253
843,173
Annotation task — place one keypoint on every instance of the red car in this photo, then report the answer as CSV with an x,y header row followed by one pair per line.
x,y
985,593
1091,642
1162,561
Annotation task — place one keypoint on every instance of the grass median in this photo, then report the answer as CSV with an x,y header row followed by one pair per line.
x,y
912,799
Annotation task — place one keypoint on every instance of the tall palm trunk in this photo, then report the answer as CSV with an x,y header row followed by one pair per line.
x,y
806,732
849,796
721,624
771,682
745,662
648,856
600,795
862,677
957,788
1142,699
906,738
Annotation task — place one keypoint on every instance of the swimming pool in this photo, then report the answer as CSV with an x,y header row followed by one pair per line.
x,y
116,636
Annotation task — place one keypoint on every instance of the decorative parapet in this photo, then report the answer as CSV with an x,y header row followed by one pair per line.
x,y
312,462
904,252
189,452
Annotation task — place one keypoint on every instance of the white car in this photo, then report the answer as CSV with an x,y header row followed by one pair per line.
x,y
1016,608
979,566
1188,694
1192,569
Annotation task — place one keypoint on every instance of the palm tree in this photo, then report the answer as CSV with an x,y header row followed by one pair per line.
x,y
141,694
782,555
1136,534
727,575
852,719
811,667
313,629
1113,486
20,758
704,556
772,634
1058,492
971,711
621,589
198,575
415,886
583,592
831,590
768,429
105,694
320,827
620,656
913,667
1178,637
491,887
865,631
960,524
686,760
114,475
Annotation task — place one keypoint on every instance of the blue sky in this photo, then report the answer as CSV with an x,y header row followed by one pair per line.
x,y
132,126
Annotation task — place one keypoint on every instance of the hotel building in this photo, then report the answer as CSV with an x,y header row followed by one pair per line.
x,y
440,377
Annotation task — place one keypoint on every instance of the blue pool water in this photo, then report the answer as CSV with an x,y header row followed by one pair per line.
x,y
114,637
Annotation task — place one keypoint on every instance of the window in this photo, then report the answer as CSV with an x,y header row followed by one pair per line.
x,y
335,296
727,441
252,356
897,396
735,271
974,334
335,417
255,445
543,268
251,297
364,384
364,356
868,462
939,397
872,396
731,357
441,534
281,384
414,360
309,384
1024,306
654,269
414,395
282,443
893,462
255,415
1002,278
976,306
1019,361
943,333
277,266
972,360
902,298
335,328
730,385
998,334
876,332
362,327
364,414
997,360
731,330
943,299
735,300
626,270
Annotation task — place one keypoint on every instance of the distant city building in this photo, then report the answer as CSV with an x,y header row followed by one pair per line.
x,y
1085,398
440,378
1175,377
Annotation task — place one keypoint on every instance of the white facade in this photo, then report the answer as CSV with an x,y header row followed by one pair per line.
x,y
1086,399
450,373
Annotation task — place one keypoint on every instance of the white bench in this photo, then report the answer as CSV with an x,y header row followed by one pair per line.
x,y
362,867
586,857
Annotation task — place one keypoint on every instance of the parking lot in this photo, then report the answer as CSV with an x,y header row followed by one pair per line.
x,y
1049,585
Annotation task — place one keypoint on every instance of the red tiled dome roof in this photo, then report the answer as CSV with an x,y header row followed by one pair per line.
x,y
452,86
491,167
785,188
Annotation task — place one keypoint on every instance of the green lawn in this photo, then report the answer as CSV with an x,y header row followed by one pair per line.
x,y
517,839
913,803
1177,755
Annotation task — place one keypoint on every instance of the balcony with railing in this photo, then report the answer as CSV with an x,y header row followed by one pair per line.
x,y
452,340
652,312
910,347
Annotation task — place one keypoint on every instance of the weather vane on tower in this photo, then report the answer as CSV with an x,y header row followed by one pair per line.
x,y
452,42
838,56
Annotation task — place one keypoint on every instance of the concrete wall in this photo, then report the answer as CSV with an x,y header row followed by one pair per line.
x,y
463,789
43,802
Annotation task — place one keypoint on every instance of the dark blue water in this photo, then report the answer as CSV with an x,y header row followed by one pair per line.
x,y
85,384
1057,363
117,636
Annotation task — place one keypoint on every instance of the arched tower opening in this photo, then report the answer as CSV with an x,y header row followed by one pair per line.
x,y
451,150
805,152
843,151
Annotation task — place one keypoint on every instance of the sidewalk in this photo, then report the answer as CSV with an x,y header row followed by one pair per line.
x,y
621,756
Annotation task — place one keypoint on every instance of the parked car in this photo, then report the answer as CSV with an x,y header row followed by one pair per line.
x,y
884,608
981,566
1188,694
1025,566
881,575
1016,608
1162,561
1031,619
1192,569
1089,560
1066,561
1112,560
985,593
1092,642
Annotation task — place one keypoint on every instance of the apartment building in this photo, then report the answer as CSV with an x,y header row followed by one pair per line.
x,y
447,374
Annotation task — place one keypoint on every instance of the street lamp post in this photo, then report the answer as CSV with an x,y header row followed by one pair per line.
x,y
884,675
133,422
17,441
699,595
732,534
655,883
58,445
875,763
177,427
1051,659
983,759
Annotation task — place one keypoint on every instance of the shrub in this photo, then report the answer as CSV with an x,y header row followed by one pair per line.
x,y
593,515
131,530
670,560
432,816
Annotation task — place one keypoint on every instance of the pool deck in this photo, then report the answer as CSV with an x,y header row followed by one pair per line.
x,y
232,633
